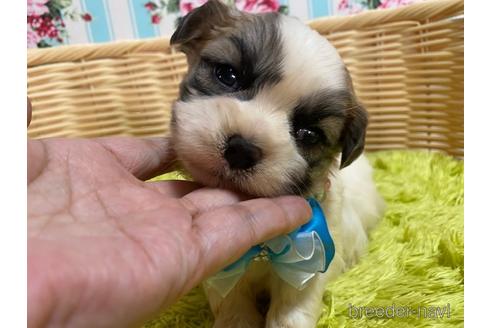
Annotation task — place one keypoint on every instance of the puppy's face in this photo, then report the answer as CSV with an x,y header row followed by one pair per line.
x,y
267,105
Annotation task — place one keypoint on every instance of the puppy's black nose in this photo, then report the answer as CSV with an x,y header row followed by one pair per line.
x,y
241,154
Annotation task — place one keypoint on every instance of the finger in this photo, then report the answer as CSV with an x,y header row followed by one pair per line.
x,y
174,188
37,159
143,157
206,199
29,112
228,232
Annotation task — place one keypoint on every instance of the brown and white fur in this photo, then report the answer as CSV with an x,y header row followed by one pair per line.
x,y
282,92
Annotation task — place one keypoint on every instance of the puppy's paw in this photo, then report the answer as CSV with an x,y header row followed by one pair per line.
x,y
290,319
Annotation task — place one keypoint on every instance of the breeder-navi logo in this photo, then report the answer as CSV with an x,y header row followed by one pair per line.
x,y
395,311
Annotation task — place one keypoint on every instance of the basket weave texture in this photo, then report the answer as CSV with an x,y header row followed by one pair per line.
x,y
406,65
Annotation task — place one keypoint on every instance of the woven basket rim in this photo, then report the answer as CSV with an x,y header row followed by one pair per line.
x,y
91,51
431,8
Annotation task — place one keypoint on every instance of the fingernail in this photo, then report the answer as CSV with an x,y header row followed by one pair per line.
x,y
297,209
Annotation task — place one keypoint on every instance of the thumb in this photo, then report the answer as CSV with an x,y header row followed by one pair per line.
x,y
29,111
228,232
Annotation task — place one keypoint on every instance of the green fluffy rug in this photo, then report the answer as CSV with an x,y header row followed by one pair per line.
x,y
412,275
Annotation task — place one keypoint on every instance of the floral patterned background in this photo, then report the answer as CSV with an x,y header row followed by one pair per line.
x,y
58,22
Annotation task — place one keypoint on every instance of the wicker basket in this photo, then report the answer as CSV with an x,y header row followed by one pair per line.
x,y
406,64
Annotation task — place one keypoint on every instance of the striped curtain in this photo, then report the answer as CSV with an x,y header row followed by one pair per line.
x,y
116,20
129,19
56,22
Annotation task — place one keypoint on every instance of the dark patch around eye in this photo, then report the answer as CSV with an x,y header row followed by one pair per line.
x,y
312,113
254,50
311,110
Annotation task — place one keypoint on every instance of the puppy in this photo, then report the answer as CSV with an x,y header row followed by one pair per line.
x,y
268,108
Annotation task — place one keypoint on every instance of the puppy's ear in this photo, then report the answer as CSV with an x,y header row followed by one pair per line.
x,y
202,24
352,139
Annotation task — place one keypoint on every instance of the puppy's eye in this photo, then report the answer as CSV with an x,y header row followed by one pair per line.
x,y
308,137
227,75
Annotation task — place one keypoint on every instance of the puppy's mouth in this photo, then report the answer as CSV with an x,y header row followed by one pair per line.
x,y
245,182
242,166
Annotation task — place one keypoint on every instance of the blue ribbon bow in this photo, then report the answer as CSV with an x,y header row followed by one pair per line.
x,y
295,257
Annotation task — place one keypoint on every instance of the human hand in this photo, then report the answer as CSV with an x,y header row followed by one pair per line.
x,y
107,249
